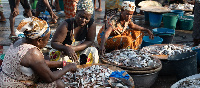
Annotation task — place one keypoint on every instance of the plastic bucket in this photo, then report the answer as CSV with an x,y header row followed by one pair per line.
x,y
186,22
33,5
61,4
146,15
165,33
179,12
147,41
155,19
170,20
198,54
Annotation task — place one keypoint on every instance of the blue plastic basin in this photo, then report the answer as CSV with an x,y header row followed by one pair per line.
x,y
164,31
179,12
147,41
198,54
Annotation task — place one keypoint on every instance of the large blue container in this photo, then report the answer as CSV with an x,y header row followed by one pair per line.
x,y
147,41
198,54
179,12
146,15
165,33
155,19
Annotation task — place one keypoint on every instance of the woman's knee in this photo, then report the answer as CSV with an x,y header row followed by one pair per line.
x,y
127,40
60,84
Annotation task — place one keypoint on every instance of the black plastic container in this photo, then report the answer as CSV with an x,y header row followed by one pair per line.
x,y
165,33
167,39
182,65
144,80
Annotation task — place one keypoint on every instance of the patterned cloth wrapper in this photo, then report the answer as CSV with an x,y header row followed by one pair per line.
x,y
127,5
86,5
70,8
113,4
91,54
118,74
120,37
33,27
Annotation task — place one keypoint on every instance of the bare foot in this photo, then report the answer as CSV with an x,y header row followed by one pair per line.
x,y
2,19
99,9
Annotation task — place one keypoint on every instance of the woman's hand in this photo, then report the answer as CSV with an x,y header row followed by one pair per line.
x,y
15,12
102,50
150,34
72,67
70,53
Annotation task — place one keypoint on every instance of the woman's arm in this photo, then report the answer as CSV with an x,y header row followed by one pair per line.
x,y
35,60
89,39
139,28
49,9
59,37
54,64
103,40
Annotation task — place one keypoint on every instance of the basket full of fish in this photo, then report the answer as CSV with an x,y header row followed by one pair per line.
x,y
177,59
188,82
98,75
131,61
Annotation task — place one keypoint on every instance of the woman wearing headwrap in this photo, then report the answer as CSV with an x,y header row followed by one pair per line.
x,y
116,36
24,64
75,36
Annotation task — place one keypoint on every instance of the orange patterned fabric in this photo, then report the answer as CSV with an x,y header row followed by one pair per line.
x,y
129,39
70,8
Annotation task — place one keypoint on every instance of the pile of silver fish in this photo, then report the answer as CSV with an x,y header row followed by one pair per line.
x,y
130,58
181,6
94,76
169,50
190,83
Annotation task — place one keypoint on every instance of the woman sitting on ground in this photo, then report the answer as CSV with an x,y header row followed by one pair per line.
x,y
75,36
116,36
24,64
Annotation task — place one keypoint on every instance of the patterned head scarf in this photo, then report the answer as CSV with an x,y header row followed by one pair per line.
x,y
86,5
127,5
33,27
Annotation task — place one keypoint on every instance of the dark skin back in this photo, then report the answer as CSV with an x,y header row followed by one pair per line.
x,y
82,18
125,16
34,59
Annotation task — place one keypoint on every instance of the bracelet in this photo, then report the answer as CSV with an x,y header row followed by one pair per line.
x,y
64,63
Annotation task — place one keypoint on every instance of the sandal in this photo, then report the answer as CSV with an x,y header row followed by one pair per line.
x,y
13,38
99,10
4,20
